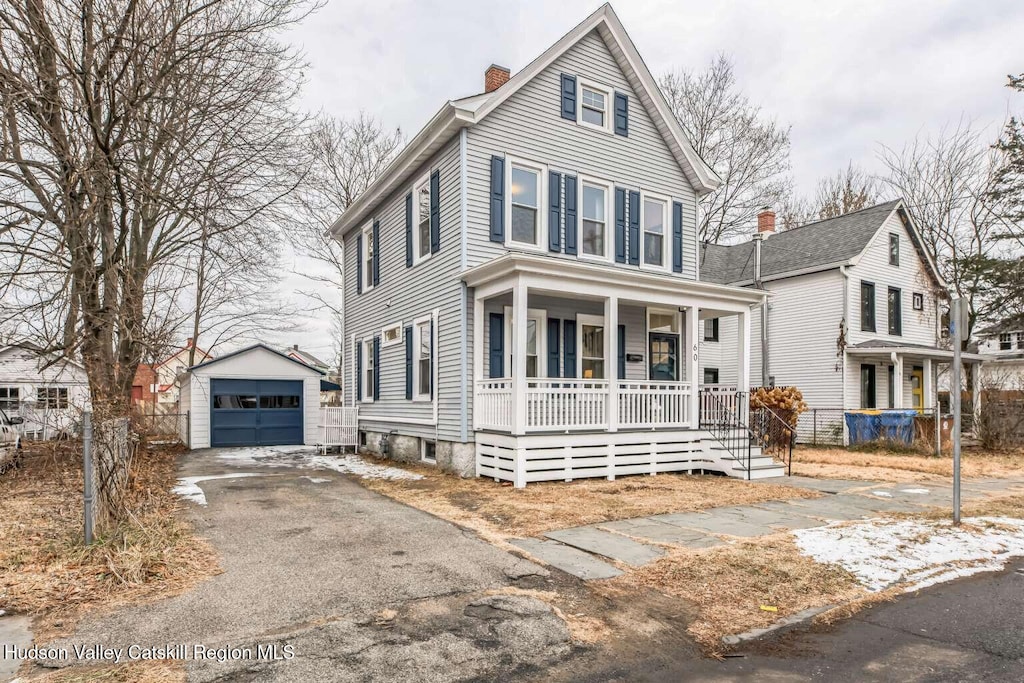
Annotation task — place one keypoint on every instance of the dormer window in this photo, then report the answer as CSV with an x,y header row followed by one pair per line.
x,y
595,103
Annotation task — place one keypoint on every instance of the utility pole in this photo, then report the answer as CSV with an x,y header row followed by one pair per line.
x,y
957,326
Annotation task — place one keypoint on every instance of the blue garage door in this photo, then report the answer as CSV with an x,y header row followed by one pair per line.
x,y
251,412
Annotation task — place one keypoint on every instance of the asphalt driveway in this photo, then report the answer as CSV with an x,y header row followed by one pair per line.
x,y
359,587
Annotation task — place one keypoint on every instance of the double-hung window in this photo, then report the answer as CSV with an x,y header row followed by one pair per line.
x,y
594,106
52,398
1020,341
421,225
526,205
369,371
423,360
867,306
1005,341
655,218
895,312
9,399
595,219
367,257
711,329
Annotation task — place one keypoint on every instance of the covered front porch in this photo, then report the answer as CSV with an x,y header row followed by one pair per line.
x,y
591,370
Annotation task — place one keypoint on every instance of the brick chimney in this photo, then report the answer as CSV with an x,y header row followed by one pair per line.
x,y
766,222
188,344
495,77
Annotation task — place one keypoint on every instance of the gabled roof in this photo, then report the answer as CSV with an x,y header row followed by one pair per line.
x,y
468,111
254,347
809,248
306,357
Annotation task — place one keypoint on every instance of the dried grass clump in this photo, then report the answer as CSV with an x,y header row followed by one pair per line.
x,y
881,464
497,511
162,671
46,569
729,585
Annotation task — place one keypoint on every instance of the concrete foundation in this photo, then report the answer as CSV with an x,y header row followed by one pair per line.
x,y
457,458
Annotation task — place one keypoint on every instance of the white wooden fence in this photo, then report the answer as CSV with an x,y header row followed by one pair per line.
x,y
339,426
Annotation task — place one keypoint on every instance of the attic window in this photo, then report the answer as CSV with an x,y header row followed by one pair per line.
x,y
894,249
594,104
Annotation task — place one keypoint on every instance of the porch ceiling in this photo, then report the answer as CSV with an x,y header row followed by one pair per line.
x,y
597,281
922,352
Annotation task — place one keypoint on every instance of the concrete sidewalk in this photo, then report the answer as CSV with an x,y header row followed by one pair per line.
x,y
634,541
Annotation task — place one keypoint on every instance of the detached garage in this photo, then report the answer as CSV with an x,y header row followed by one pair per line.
x,y
252,397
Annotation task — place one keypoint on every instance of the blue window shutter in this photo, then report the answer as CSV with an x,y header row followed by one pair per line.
x,y
408,230
554,346
496,357
376,368
359,263
634,228
620,225
435,212
408,362
555,211
622,351
571,231
497,199
359,371
376,254
621,114
568,97
432,360
569,347
677,237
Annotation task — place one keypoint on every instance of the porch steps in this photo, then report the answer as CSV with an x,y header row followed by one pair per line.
x,y
761,466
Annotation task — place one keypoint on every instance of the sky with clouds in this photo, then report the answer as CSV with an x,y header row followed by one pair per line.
x,y
846,76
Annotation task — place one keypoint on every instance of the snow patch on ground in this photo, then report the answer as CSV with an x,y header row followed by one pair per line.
x,y
881,494
305,457
920,492
918,553
317,480
188,487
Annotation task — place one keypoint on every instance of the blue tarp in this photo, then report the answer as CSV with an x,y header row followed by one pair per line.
x,y
866,426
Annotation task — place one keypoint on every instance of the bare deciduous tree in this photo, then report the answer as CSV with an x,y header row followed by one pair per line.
x,y
344,158
849,189
945,180
749,151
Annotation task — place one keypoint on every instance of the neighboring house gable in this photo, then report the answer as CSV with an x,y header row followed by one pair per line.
x,y
49,393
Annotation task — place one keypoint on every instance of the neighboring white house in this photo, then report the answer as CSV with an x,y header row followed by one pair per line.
x,y
522,298
853,319
256,396
49,392
1003,349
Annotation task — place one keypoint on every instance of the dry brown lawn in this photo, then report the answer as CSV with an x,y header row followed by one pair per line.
x,y
134,672
880,465
732,585
499,511
45,570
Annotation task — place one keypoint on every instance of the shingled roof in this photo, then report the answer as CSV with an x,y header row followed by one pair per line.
x,y
826,243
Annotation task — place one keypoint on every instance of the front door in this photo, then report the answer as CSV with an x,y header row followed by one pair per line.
x,y
664,355
917,387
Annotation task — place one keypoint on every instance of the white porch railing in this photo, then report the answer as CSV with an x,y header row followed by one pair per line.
x,y
559,404
654,404
566,404
720,403
339,426
493,405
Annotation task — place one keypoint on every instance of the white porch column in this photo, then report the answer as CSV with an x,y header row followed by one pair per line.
x,y
928,386
743,351
611,360
897,378
692,364
478,352
519,309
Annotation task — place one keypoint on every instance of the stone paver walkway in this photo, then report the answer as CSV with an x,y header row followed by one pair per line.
x,y
635,541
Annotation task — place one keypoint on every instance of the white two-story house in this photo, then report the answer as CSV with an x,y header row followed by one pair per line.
x,y
1003,348
522,297
853,318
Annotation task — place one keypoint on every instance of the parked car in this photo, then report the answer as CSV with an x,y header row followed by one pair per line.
x,y
10,441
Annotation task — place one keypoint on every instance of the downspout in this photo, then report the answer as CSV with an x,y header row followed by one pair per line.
x,y
463,295
765,308
341,325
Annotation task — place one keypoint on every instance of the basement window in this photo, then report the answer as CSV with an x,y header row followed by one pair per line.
x,y
428,451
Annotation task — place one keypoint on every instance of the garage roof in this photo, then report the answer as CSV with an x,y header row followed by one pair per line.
x,y
255,347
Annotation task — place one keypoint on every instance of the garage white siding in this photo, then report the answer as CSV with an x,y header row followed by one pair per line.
x,y
254,363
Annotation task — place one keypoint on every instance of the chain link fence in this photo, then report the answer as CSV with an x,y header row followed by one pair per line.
x,y
825,427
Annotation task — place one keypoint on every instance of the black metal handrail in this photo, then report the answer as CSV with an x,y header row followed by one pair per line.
x,y
774,434
726,424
